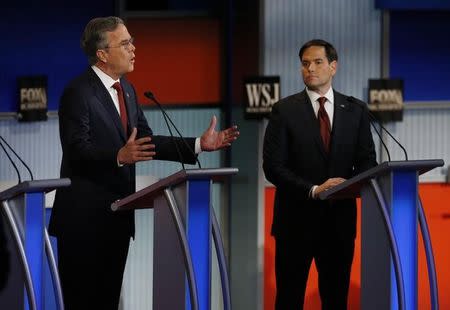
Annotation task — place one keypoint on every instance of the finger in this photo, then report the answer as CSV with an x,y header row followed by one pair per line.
x,y
143,140
146,147
233,129
213,123
233,132
143,158
146,154
133,135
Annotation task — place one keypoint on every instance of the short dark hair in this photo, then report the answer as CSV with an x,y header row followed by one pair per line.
x,y
94,35
330,51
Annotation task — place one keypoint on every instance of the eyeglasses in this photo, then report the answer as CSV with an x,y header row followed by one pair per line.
x,y
125,44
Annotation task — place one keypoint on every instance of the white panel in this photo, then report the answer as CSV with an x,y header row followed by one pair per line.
x,y
38,145
425,134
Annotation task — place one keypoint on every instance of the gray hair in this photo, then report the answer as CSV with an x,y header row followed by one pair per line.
x,y
94,35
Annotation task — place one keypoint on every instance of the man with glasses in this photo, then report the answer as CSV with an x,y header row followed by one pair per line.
x,y
103,134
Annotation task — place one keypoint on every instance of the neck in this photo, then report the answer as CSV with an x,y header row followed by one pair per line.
x,y
320,90
102,66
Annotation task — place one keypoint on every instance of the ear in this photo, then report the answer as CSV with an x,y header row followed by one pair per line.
x,y
101,55
333,66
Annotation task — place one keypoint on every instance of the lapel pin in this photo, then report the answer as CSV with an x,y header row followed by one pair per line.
x,y
128,95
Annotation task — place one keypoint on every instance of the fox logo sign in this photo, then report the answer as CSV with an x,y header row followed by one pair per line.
x,y
386,99
260,94
32,98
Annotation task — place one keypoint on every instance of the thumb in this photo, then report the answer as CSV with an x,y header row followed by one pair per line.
x,y
212,124
133,135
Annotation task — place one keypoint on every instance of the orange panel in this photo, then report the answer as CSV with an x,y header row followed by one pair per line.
x,y
178,60
436,201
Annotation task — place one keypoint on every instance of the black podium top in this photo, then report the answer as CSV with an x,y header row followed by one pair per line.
x,y
34,187
351,187
143,199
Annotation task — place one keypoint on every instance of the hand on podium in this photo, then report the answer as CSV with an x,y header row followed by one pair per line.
x,y
331,182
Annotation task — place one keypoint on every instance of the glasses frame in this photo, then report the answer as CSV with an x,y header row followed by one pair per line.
x,y
125,44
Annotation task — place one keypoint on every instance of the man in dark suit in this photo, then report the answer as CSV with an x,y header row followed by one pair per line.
x,y
304,156
103,134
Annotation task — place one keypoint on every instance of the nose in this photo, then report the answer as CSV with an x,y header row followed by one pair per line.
x,y
132,47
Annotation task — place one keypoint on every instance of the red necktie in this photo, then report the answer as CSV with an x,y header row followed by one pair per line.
x,y
123,110
324,122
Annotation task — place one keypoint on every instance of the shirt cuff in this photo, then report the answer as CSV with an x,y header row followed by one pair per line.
x,y
311,192
119,164
198,148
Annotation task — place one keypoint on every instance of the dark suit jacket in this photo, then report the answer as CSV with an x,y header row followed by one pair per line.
x,y
91,135
294,160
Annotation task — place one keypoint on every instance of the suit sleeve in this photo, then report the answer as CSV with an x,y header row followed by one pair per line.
x,y
275,157
75,129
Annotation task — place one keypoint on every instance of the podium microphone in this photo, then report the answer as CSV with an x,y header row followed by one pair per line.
x,y
374,119
167,119
18,157
150,96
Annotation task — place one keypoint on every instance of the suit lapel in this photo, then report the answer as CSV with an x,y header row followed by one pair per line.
x,y
312,123
341,108
105,98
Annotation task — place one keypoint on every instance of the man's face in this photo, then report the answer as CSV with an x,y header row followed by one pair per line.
x,y
317,72
120,52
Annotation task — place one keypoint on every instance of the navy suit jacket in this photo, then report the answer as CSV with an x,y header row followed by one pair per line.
x,y
91,135
294,159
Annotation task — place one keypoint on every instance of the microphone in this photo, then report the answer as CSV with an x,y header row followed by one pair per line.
x,y
167,119
374,119
18,157
12,162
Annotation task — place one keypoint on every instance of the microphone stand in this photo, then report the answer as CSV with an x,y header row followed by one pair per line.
x,y
150,96
18,157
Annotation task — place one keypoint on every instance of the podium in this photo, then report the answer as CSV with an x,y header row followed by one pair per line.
x,y
23,207
390,211
184,223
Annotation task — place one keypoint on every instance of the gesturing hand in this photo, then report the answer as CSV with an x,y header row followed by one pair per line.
x,y
212,140
136,150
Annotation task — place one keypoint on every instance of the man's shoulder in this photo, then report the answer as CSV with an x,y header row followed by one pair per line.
x,y
341,96
81,79
292,100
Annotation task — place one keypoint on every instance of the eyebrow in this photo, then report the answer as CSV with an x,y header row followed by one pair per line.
x,y
315,59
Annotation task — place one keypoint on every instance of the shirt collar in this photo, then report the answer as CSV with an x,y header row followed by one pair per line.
x,y
313,96
106,79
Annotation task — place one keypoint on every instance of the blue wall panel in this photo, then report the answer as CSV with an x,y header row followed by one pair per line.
x,y
42,38
419,53
412,4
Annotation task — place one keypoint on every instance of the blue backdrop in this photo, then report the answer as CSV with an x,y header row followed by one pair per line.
x,y
43,38
419,53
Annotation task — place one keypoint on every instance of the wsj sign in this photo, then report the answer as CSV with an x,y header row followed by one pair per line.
x,y
386,99
260,94
32,98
